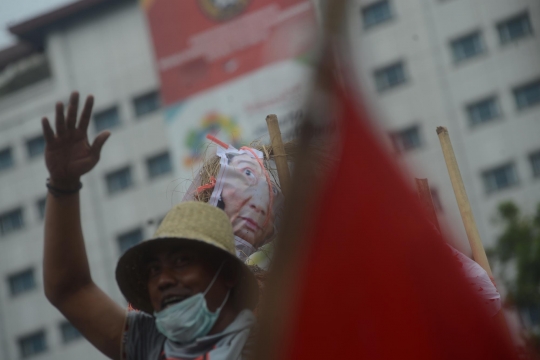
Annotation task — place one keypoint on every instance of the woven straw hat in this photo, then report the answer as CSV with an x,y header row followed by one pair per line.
x,y
195,224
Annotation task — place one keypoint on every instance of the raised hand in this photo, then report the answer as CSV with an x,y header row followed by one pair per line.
x,y
68,154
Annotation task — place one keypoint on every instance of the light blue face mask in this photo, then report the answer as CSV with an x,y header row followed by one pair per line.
x,y
189,319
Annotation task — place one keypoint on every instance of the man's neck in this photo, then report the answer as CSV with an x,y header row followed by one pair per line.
x,y
227,315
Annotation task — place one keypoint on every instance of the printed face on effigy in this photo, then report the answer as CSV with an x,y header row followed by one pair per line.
x,y
245,197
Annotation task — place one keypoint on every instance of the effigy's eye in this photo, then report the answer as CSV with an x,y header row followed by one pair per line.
x,y
250,175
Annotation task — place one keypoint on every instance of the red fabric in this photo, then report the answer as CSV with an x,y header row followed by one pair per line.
x,y
379,282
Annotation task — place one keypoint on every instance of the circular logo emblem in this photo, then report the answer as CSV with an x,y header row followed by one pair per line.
x,y
213,123
223,9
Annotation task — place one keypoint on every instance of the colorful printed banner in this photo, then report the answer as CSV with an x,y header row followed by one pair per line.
x,y
235,112
202,43
224,66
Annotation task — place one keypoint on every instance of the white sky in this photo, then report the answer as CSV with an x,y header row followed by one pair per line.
x,y
13,11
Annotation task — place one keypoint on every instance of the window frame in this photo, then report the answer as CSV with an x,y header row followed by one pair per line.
x,y
21,290
110,174
125,235
65,325
9,150
155,157
459,39
499,24
475,103
397,137
110,109
384,70
148,94
41,205
365,9
534,159
529,84
38,139
4,214
26,337
511,184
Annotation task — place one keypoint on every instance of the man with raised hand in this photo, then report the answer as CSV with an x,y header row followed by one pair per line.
x,y
195,297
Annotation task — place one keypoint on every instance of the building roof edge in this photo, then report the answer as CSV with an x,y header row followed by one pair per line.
x,y
32,29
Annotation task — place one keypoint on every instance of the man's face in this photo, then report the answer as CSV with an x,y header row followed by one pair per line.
x,y
177,274
246,197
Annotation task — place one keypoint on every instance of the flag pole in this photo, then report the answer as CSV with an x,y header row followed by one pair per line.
x,y
280,157
479,254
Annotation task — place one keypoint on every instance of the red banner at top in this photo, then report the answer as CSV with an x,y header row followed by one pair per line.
x,y
203,43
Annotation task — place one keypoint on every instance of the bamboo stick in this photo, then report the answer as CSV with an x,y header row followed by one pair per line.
x,y
280,156
479,254
424,193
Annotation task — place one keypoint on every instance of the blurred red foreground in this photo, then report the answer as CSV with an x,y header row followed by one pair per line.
x,y
380,283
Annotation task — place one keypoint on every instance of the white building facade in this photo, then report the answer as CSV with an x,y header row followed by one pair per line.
x,y
472,66
469,65
102,48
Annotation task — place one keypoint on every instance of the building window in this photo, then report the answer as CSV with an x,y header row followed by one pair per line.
x,y
41,207
483,111
514,28
527,95
147,103
159,165
467,47
6,159
33,344
35,146
535,163
500,178
129,239
69,332
407,139
23,73
390,76
376,13
119,180
11,221
22,282
107,119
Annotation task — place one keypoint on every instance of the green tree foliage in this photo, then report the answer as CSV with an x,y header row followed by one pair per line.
x,y
519,244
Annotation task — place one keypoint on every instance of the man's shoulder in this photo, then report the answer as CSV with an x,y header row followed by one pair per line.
x,y
142,324
141,338
140,317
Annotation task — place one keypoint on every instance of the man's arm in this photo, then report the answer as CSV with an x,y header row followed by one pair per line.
x,y
68,284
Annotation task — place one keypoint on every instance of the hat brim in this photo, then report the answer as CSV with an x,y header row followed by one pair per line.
x,y
131,279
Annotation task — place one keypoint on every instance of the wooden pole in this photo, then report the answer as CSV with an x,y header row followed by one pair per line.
x,y
424,193
479,254
280,157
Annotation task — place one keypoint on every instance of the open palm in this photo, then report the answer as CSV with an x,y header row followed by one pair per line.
x,y
68,154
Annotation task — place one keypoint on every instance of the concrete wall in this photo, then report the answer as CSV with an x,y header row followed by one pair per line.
x,y
109,55
438,90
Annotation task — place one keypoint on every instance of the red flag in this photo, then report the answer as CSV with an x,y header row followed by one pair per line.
x,y
379,281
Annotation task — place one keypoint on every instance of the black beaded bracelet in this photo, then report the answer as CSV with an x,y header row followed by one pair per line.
x,y
56,192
